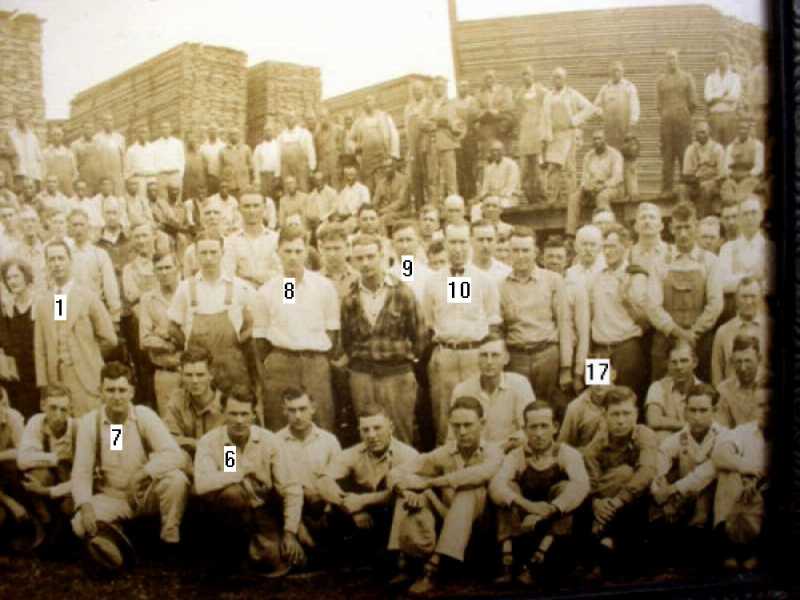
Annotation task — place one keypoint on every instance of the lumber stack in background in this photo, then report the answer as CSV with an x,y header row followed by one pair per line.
x,y
275,88
391,96
585,43
190,85
21,69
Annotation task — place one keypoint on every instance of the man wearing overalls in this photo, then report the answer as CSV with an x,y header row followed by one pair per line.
x,y
298,157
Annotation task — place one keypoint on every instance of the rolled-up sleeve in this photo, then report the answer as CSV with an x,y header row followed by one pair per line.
x,y
479,474
646,466
30,453
83,463
577,488
289,488
208,476
500,490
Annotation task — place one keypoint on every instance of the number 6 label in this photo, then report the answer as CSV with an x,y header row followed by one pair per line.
x,y
598,371
289,290
115,437
459,290
229,459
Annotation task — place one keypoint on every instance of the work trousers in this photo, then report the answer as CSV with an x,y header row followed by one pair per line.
x,y
530,177
447,369
81,399
676,135
723,126
541,369
395,394
628,361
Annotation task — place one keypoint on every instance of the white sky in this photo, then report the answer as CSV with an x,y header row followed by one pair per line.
x,y
355,42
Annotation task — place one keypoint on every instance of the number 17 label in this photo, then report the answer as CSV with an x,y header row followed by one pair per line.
x,y
597,371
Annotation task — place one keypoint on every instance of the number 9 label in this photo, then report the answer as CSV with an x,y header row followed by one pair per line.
x,y
407,268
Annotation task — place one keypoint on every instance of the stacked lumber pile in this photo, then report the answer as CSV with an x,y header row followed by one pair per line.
x,y
585,43
274,88
21,69
190,85
391,97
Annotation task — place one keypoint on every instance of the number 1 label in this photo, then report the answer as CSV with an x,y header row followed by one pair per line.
x,y
597,371
60,307
229,457
115,437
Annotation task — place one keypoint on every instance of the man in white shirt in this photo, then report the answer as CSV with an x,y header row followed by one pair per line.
x,y
140,160
51,198
352,196
59,161
211,151
168,158
722,92
501,177
750,254
251,253
744,163
589,260
29,159
267,161
297,155
405,241
484,243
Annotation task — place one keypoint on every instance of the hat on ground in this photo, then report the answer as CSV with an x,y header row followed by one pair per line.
x,y
110,548
267,553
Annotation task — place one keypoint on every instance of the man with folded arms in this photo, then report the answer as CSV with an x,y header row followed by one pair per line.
x,y
450,482
740,392
538,487
261,498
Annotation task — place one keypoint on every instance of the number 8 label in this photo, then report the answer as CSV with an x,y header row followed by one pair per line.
x,y
289,290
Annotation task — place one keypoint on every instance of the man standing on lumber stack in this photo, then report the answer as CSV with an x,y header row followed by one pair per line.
x,y
532,129
169,159
85,153
676,99
442,125
267,162
329,141
60,162
618,104
298,157
29,160
212,151
236,163
418,143
376,138
109,154
467,155
722,93
140,160
496,118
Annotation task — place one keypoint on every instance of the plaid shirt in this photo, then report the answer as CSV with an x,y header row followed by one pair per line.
x,y
398,334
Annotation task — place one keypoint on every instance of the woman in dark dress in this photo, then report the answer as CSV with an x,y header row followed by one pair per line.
x,y
16,336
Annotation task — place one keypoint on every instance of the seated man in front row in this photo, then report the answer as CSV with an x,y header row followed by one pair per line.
x,y
447,485
683,490
142,477
537,488
355,484
260,499
621,461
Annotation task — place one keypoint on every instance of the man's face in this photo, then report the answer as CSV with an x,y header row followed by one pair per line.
x,y
131,187
555,259
616,73
224,189
334,252
238,417
467,427
318,179
762,409
492,358
483,242
439,89
648,222
88,130
165,129
29,188
709,238
429,222
213,132
7,216
743,131
723,60
29,224
496,153
78,228
106,187
604,220
523,253
293,255
252,208
299,413
269,132
107,122
350,175
457,244
58,262
51,185
502,250
750,216
166,271
143,133
540,429
698,413
454,213
599,141
464,89
417,92
527,77
196,378
588,250
405,241
209,254
748,299
152,191
490,209
367,260
614,249
558,80
371,103
56,412
111,214
368,222
173,192
745,363
117,395
376,433
212,216
672,61
291,185
143,240
234,136
57,225
489,80
685,234
58,137
620,418
681,363
701,135
437,261
730,221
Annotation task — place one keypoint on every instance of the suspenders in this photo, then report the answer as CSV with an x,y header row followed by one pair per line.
x,y
98,460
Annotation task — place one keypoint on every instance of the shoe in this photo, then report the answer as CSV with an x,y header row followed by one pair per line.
x,y
751,564
422,586
730,564
401,578
506,577
525,576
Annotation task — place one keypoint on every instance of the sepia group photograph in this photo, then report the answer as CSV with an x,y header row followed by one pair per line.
x,y
423,299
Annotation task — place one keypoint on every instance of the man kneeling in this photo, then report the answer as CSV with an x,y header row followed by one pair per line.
x,y
538,488
259,497
447,485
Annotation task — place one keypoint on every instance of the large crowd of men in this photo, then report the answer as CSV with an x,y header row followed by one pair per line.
x,y
311,345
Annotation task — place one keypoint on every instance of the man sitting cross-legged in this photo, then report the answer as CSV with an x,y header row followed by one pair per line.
x,y
446,486
538,487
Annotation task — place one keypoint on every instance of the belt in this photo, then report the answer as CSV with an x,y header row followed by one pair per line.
x,y
380,369
612,345
301,353
461,345
532,348
169,172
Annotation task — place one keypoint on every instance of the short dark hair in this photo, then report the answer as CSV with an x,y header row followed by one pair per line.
x,y
482,223
293,393
60,242
467,403
534,406
523,231
703,389
239,392
744,342
554,241
372,410
23,266
684,212
365,239
159,256
290,233
436,247
365,207
748,280
115,370
55,390
196,354
617,395
401,224
331,232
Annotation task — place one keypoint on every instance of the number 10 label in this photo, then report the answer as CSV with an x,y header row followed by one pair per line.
x,y
597,371
459,290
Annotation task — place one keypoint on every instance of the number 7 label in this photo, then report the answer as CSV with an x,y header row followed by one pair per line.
x,y
115,437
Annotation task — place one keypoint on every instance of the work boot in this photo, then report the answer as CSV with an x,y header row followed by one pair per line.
x,y
425,584
506,570
402,576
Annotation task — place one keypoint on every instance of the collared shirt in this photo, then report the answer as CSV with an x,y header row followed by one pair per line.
x,y
501,179
212,152
168,155
696,259
137,210
742,257
737,154
138,276
421,274
448,462
534,310
304,324
761,327
372,302
319,204
503,408
302,137
621,97
615,296
231,217
497,270
308,458
154,334
649,258
718,86
351,198
57,202
748,444
263,456
366,470
94,209
210,300
253,258
119,466
585,275
92,268
267,157
603,170
34,256
32,454
737,404
639,451
140,160
582,420
569,461
29,152
186,422
692,458
343,280
461,322
704,161
662,393
12,425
